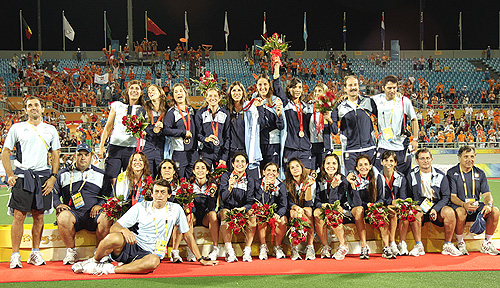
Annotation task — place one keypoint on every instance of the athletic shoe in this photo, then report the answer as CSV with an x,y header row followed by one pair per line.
x,y
403,248
102,268
78,267
463,248
214,253
294,253
231,256
340,253
365,253
387,254
263,252
418,250
310,252
190,256
325,251
15,261
247,254
394,248
106,259
71,256
36,258
488,248
174,256
450,249
278,252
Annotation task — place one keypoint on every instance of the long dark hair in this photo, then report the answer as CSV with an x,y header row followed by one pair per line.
x,y
229,100
126,100
290,183
322,172
148,106
372,187
292,83
175,177
210,178
271,90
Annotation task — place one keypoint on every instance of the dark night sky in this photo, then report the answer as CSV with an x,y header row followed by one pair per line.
x,y
206,20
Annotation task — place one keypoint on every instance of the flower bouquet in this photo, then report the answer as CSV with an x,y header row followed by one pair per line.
x,y
218,171
206,81
377,215
147,189
407,209
332,215
236,220
185,195
114,207
326,103
263,212
297,230
276,46
136,126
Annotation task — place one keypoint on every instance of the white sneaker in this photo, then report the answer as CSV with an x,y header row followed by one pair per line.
x,y
403,248
102,268
214,253
310,252
278,252
340,253
247,254
488,248
325,251
263,252
79,267
15,261
190,256
463,248
71,256
36,258
450,249
418,250
394,248
174,256
231,256
294,253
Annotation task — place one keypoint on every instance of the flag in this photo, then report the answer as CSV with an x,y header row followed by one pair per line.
x,y
264,30
152,27
305,28
108,30
186,27
101,79
27,29
344,30
382,28
421,26
68,30
226,27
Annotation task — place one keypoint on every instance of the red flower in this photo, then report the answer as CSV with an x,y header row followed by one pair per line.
x,y
303,219
381,223
236,230
134,118
295,242
266,206
411,218
328,211
379,217
231,225
294,234
340,220
335,225
276,35
238,215
296,224
403,208
242,222
303,239
254,206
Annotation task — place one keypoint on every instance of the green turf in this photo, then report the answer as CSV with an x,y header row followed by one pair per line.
x,y
430,279
5,219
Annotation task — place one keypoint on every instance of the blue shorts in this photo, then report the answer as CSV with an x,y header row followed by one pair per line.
x,y
84,221
117,159
471,217
130,252
404,160
350,159
304,156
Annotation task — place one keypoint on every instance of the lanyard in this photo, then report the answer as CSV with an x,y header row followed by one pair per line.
x,y
156,227
390,118
390,184
79,189
188,124
45,143
215,128
135,197
159,118
473,182
300,116
355,103
430,185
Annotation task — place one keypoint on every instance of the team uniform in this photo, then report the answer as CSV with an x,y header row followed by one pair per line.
x,y
242,194
121,144
132,196
320,139
392,116
153,225
300,189
81,190
326,194
155,142
208,123
391,189
356,129
32,144
270,134
276,195
183,151
205,201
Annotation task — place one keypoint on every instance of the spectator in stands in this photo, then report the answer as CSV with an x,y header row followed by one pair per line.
x,y
480,117
430,62
81,210
32,181
465,198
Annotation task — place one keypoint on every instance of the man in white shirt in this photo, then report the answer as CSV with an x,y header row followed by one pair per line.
x,y
468,113
142,252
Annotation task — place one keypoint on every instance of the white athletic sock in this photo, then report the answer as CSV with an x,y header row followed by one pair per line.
x,y
228,246
487,238
460,238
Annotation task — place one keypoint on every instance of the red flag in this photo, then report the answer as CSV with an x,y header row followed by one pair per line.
x,y
152,27
27,29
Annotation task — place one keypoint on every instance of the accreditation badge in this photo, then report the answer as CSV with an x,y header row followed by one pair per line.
x,y
388,134
161,248
472,201
78,200
426,205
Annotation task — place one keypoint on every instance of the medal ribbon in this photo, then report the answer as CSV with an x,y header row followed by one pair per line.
x,y
159,118
300,116
216,128
188,124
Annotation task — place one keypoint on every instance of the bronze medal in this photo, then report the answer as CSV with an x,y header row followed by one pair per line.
x,y
301,134
216,142
187,141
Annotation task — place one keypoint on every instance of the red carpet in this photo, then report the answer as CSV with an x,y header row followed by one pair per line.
x,y
431,262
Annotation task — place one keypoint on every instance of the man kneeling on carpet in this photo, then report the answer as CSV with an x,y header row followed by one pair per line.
x,y
82,188
142,252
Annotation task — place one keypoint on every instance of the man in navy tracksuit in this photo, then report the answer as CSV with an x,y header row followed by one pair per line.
x,y
356,126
